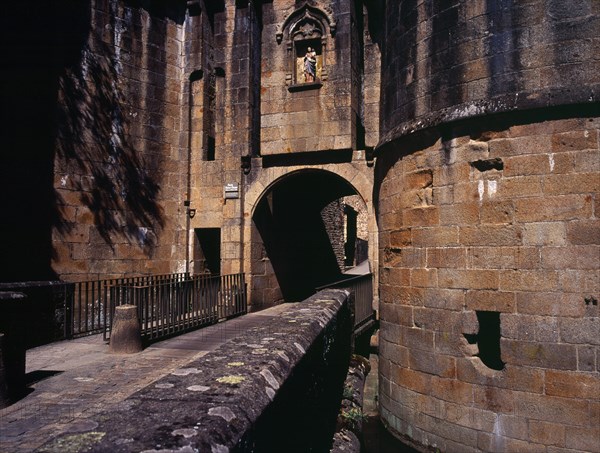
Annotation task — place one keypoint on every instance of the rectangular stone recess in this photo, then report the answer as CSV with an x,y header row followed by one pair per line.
x,y
228,399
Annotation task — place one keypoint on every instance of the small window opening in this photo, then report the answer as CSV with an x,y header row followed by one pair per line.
x,y
207,251
210,148
488,339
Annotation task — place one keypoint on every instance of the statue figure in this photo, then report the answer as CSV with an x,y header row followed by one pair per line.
x,y
310,65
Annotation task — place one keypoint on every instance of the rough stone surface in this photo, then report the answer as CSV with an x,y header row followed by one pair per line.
x,y
219,417
489,258
517,259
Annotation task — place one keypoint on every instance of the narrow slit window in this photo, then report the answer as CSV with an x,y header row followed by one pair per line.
x,y
488,339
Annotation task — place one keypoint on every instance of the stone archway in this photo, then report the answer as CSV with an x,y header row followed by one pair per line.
x,y
284,205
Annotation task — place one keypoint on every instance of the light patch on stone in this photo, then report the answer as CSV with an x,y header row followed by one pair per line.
x,y
185,371
232,379
292,320
185,449
82,426
63,180
300,348
218,448
198,388
283,356
185,432
551,161
267,339
270,393
260,351
77,442
164,386
270,378
84,379
123,441
236,364
492,186
481,189
222,411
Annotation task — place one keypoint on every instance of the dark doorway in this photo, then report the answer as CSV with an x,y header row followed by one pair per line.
x,y
207,251
294,232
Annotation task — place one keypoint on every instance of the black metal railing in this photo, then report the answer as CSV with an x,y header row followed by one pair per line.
x,y
361,289
167,304
181,304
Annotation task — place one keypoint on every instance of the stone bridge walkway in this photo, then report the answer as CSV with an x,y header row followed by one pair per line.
x,y
70,381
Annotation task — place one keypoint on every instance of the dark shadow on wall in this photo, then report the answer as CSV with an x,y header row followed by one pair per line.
x,y
165,9
295,238
38,40
118,186
61,101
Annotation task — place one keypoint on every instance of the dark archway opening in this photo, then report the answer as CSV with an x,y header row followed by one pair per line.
x,y
293,240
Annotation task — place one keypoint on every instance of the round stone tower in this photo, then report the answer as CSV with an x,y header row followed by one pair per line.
x,y
486,191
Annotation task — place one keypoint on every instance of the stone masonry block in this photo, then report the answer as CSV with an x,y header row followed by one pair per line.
x,y
491,301
495,399
538,164
553,409
580,331
495,212
583,232
586,281
571,183
449,299
459,214
587,359
449,257
431,363
547,433
553,208
528,280
545,355
575,257
435,237
491,235
574,140
572,385
468,279
582,438
545,233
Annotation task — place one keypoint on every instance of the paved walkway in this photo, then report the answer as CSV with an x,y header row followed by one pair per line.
x,y
70,381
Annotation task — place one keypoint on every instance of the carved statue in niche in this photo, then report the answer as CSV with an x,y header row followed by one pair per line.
x,y
310,65
306,31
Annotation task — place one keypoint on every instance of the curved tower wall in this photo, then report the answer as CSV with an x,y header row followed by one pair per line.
x,y
486,191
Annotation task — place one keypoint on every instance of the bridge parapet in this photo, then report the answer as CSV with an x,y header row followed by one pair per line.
x,y
271,386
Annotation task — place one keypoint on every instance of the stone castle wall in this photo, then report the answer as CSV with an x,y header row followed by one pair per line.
x,y
451,60
295,119
120,170
489,245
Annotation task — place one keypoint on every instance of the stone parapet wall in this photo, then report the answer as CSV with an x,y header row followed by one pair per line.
x,y
489,284
267,389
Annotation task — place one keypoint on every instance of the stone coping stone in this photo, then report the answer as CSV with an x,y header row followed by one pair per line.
x,y
210,404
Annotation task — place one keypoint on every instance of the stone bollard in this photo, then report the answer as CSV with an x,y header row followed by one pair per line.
x,y
12,345
126,335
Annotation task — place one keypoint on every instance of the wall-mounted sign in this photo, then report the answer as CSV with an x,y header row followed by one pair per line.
x,y
232,190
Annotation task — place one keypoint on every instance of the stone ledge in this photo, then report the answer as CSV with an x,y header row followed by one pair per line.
x,y
212,403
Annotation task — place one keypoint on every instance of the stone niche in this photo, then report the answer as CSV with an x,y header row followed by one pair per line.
x,y
300,114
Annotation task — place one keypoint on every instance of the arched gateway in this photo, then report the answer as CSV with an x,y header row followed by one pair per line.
x,y
307,227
